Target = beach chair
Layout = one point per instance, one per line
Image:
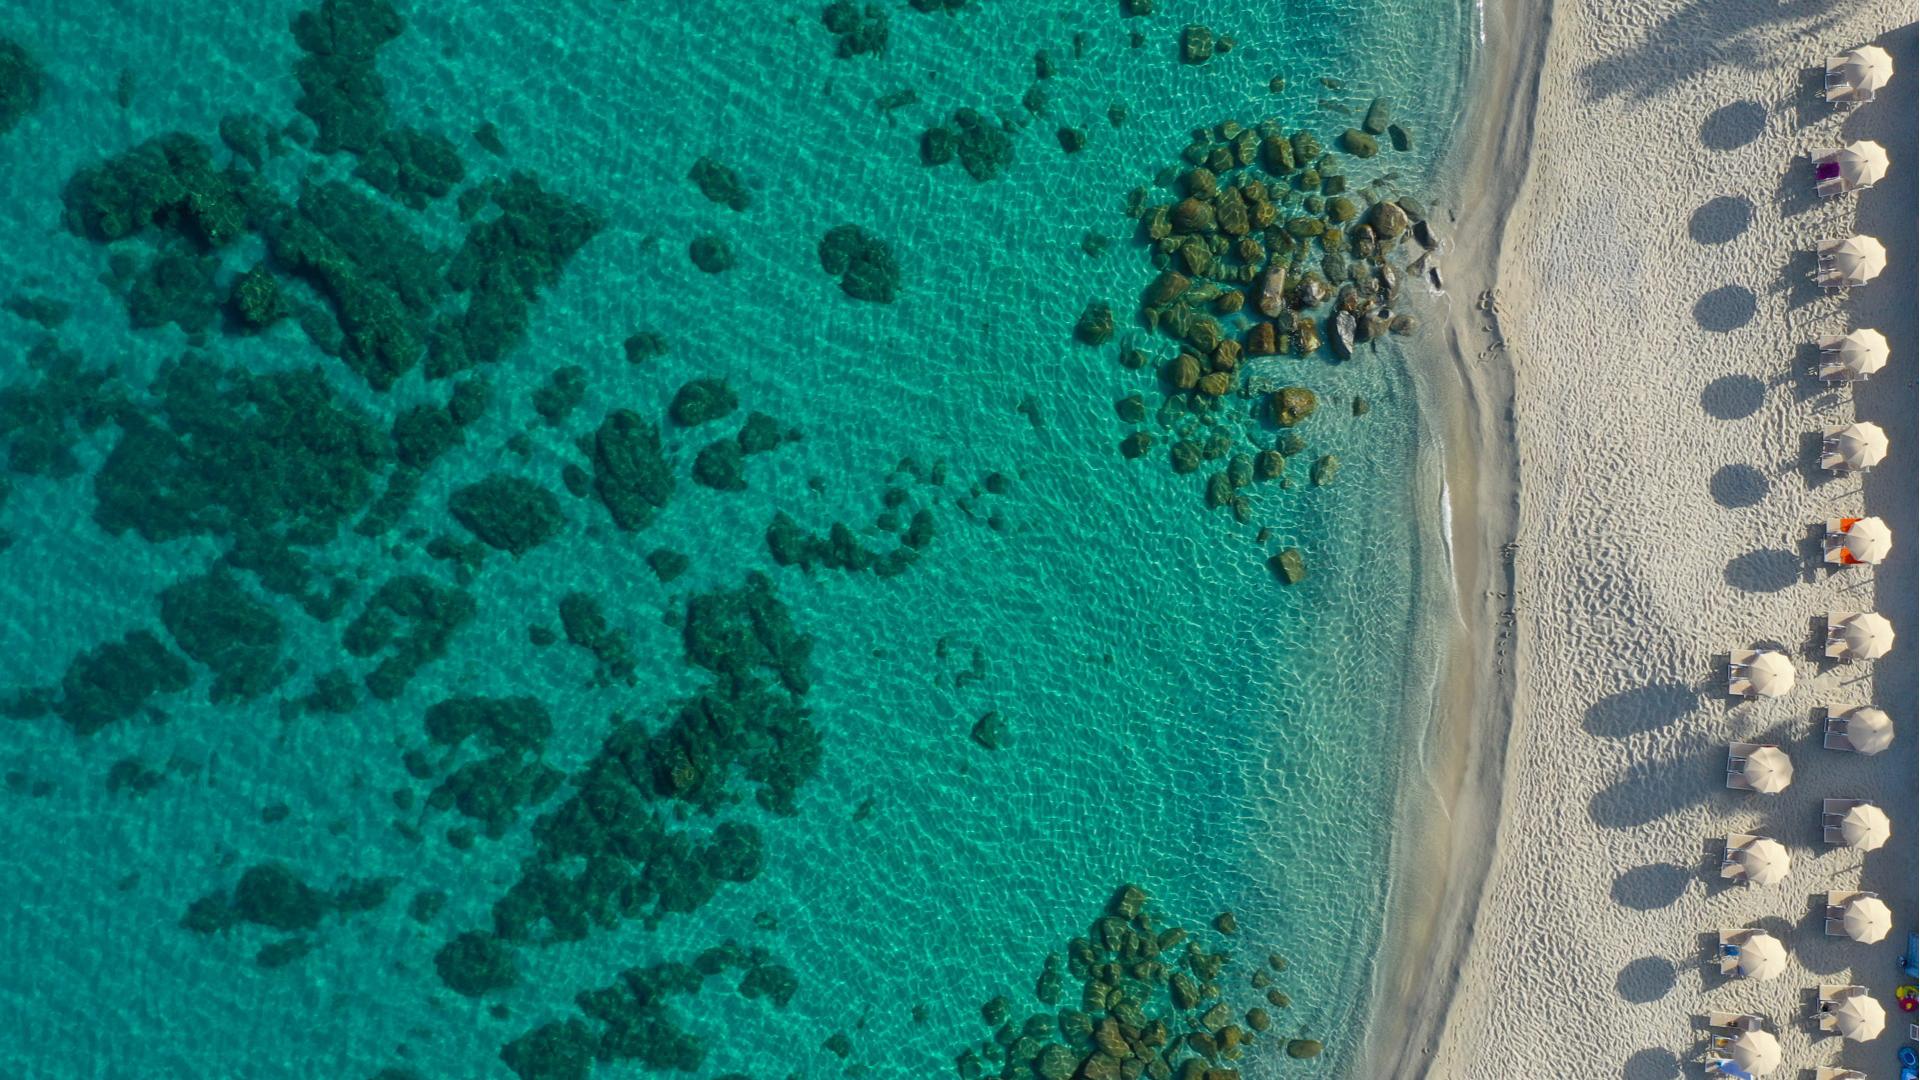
(1827, 181)
(1739, 684)
(1837, 901)
(1737, 755)
(1835, 547)
(1836, 1072)
(1831, 994)
(1832, 812)
(1836, 734)
(1730, 867)
(1733, 1021)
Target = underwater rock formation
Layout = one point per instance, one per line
(216, 623)
(863, 263)
(508, 513)
(112, 681)
(21, 83)
(411, 619)
(1153, 1002)
(631, 477)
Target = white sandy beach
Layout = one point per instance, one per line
(1652, 298)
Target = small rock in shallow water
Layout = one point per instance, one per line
(1293, 404)
(1378, 115)
(1325, 470)
(711, 254)
(1136, 445)
(1289, 566)
(1095, 325)
(991, 732)
(1401, 136)
(1196, 44)
(1303, 1048)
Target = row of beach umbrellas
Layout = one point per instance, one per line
(1741, 1047)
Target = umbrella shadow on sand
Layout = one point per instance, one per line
(1651, 887)
(1646, 980)
(1653, 1063)
(1733, 125)
(1639, 709)
(1768, 570)
(1651, 790)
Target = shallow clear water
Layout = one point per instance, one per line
(1175, 716)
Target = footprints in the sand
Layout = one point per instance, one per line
(1649, 978)
(1733, 125)
(1720, 220)
(1725, 309)
(1733, 397)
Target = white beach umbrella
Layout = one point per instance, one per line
(1764, 861)
(1855, 260)
(1771, 674)
(1869, 730)
(1855, 355)
(1868, 540)
(1859, 1017)
(1756, 1052)
(1864, 635)
(1865, 827)
(1868, 67)
(1859, 445)
(1862, 163)
(1761, 957)
(1768, 769)
(1866, 919)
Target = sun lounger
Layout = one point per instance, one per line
(1831, 994)
(1832, 813)
(1835, 1072)
(1730, 867)
(1738, 684)
(1837, 901)
(1836, 734)
(1737, 763)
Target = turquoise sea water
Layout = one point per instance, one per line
(1174, 716)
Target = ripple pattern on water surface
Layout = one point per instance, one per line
(223, 876)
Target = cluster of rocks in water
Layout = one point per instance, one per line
(274, 896)
(1262, 243)
(629, 1019)
(1152, 1002)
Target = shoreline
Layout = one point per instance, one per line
(1640, 363)
(1452, 777)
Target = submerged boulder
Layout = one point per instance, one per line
(1293, 404)
(508, 513)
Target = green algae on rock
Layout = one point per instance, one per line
(859, 30)
(509, 513)
(631, 476)
(21, 83)
(863, 263)
(476, 963)
(232, 452)
(216, 623)
(112, 681)
(720, 184)
(412, 619)
(340, 84)
(273, 895)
